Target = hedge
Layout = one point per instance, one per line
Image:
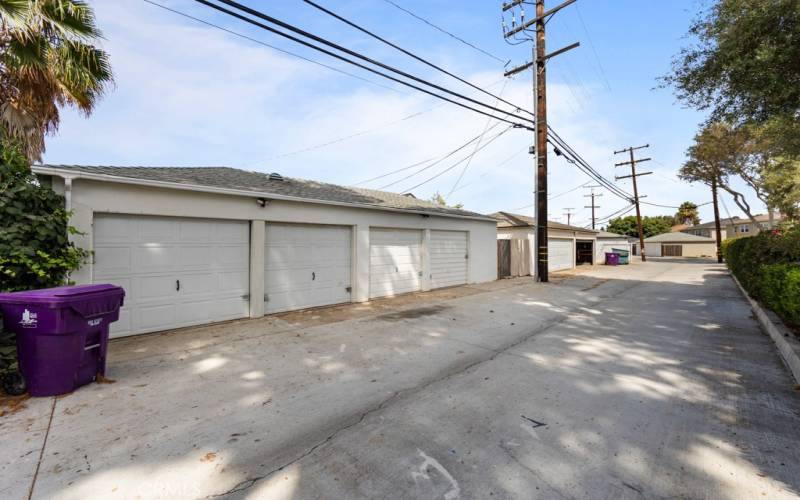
(768, 267)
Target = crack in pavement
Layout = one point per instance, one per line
(409, 391)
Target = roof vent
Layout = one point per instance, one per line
(274, 176)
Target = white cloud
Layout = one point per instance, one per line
(188, 94)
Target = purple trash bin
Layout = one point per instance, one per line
(62, 334)
(612, 259)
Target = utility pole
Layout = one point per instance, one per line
(633, 176)
(592, 206)
(717, 224)
(539, 58)
(568, 213)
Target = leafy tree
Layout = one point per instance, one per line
(439, 200)
(35, 251)
(719, 152)
(651, 225)
(687, 212)
(47, 61)
(743, 63)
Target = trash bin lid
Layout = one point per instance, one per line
(61, 295)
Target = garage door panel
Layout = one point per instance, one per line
(150, 254)
(448, 251)
(235, 282)
(108, 230)
(157, 229)
(154, 257)
(306, 266)
(155, 288)
(156, 317)
(395, 261)
(193, 231)
(559, 254)
(113, 260)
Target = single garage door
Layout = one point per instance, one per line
(306, 266)
(395, 261)
(559, 254)
(175, 271)
(448, 251)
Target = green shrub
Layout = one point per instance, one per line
(35, 251)
(768, 267)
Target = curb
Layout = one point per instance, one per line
(788, 345)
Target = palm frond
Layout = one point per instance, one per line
(14, 11)
(72, 18)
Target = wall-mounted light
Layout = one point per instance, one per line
(262, 202)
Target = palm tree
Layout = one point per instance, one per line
(47, 61)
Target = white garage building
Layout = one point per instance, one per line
(608, 242)
(200, 245)
(567, 246)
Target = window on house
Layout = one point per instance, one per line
(744, 228)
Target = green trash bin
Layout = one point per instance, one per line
(623, 255)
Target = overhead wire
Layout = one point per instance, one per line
(477, 144)
(278, 49)
(491, 140)
(311, 36)
(451, 35)
(446, 156)
(411, 54)
(502, 163)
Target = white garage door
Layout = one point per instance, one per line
(559, 254)
(448, 251)
(306, 266)
(395, 261)
(175, 271)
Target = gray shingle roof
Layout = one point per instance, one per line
(507, 219)
(678, 238)
(260, 183)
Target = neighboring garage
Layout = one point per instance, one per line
(567, 246)
(608, 242)
(679, 245)
(200, 245)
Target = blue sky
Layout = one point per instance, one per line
(187, 94)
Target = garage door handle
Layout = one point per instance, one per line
(177, 285)
(313, 276)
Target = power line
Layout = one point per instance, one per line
(364, 132)
(454, 165)
(525, 148)
(353, 53)
(466, 166)
(573, 157)
(390, 2)
(394, 172)
(594, 51)
(411, 54)
(448, 155)
(265, 44)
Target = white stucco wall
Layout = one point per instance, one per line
(89, 197)
(607, 244)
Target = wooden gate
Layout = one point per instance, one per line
(503, 259)
(671, 250)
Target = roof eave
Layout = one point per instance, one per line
(72, 174)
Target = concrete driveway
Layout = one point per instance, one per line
(650, 380)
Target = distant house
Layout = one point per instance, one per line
(708, 229)
(679, 245)
(738, 228)
(567, 246)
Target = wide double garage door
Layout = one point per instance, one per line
(176, 272)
